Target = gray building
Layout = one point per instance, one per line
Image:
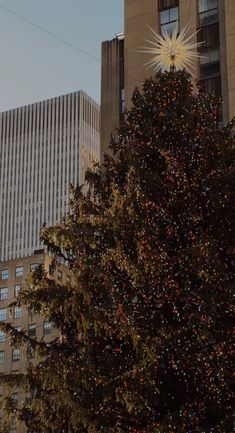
(43, 148)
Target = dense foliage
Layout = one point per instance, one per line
(145, 325)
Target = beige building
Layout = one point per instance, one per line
(215, 20)
(13, 274)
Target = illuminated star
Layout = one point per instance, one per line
(175, 51)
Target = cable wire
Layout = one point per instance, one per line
(49, 33)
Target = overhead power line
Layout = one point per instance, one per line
(49, 33)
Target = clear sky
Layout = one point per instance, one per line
(34, 66)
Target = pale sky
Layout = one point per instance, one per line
(34, 66)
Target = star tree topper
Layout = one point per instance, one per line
(176, 51)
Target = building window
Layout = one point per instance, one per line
(4, 274)
(59, 275)
(3, 314)
(208, 12)
(47, 326)
(2, 337)
(122, 100)
(17, 312)
(15, 354)
(169, 20)
(19, 271)
(3, 293)
(2, 356)
(32, 330)
(16, 290)
(31, 353)
(208, 36)
(210, 65)
(166, 4)
(212, 85)
(33, 266)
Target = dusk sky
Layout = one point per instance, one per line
(35, 66)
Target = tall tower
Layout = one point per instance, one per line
(43, 148)
(112, 87)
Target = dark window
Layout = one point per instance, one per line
(209, 35)
(208, 12)
(209, 70)
(212, 85)
(59, 275)
(166, 4)
(47, 327)
(32, 330)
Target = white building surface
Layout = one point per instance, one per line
(43, 148)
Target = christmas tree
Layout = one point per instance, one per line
(145, 325)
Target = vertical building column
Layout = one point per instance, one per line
(230, 48)
(140, 17)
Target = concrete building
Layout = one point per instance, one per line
(43, 148)
(216, 69)
(112, 87)
(13, 274)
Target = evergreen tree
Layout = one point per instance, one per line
(145, 325)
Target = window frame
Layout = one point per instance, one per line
(45, 329)
(2, 358)
(167, 4)
(3, 298)
(15, 350)
(17, 288)
(1, 310)
(32, 326)
(2, 337)
(19, 274)
(208, 13)
(6, 271)
(17, 312)
(33, 266)
(170, 22)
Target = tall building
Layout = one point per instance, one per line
(13, 274)
(112, 86)
(215, 20)
(43, 148)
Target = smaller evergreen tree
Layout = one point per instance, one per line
(145, 340)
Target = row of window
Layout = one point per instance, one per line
(208, 34)
(47, 329)
(15, 355)
(19, 271)
(17, 312)
(4, 292)
(169, 14)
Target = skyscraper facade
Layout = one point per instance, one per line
(43, 148)
(213, 19)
